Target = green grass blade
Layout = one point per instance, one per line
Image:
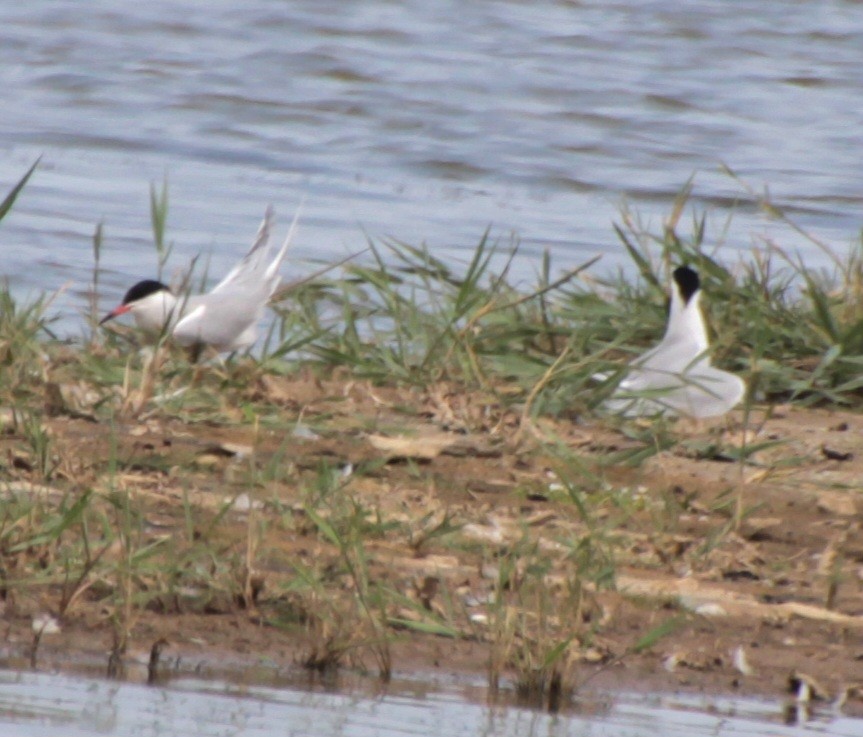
(7, 203)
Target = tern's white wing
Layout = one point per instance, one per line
(709, 392)
(272, 273)
(226, 321)
(700, 392)
(253, 275)
(228, 316)
(252, 267)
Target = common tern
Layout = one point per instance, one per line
(225, 318)
(676, 377)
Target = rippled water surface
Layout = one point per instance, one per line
(46, 705)
(421, 121)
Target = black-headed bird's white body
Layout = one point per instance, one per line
(225, 318)
(676, 376)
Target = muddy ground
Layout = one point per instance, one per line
(747, 604)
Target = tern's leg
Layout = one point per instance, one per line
(195, 351)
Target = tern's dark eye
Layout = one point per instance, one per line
(688, 282)
(144, 289)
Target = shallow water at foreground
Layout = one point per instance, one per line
(45, 705)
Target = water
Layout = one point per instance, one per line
(427, 122)
(44, 705)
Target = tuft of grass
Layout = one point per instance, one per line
(346, 526)
(159, 220)
(536, 626)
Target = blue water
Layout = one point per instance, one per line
(426, 122)
(42, 705)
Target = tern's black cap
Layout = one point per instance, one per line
(144, 289)
(688, 281)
